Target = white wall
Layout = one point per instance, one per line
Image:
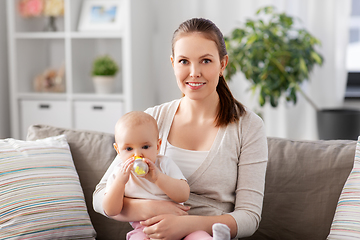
(4, 96)
(165, 18)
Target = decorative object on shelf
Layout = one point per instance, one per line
(53, 9)
(51, 80)
(31, 8)
(103, 71)
(100, 15)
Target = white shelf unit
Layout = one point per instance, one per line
(32, 51)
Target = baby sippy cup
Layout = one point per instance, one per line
(140, 167)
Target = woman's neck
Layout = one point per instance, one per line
(200, 110)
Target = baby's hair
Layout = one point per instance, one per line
(135, 118)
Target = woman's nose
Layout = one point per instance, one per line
(195, 72)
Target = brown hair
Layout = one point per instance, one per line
(230, 110)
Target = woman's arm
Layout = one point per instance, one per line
(169, 227)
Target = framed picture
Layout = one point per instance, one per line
(101, 15)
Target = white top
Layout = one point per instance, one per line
(187, 160)
(138, 187)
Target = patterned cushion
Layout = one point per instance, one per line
(40, 193)
(346, 223)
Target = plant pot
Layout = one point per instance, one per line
(104, 84)
(338, 124)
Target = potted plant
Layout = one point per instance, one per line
(277, 58)
(104, 71)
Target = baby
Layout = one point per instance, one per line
(137, 136)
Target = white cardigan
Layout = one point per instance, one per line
(232, 177)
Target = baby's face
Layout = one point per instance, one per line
(141, 140)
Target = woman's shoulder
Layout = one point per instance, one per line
(160, 111)
(251, 122)
(249, 117)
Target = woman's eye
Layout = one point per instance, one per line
(183, 61)
(206, 61)
(128, 149)
(146, 147)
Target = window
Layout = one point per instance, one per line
(353, 53)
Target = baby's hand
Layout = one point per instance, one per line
(154, 171)
(123, 173)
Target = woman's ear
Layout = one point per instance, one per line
(116, 148)
(172, 60)
(224, 63)
(158, 145)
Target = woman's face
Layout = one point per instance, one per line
(197, 66)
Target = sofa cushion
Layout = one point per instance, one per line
(346, 224)
(40, 193)
(303, 182)
(92, 153)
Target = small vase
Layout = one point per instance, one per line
(51, 25)
(104, 84)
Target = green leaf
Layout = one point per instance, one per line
(316, 57)
(262, 98)
(278, 64)
(303, 67)
(238, 34)
(251, 39)
(273, 101)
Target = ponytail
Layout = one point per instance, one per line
(230, 110)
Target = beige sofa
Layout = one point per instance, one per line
(303, 182)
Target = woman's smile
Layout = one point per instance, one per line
(195, 85)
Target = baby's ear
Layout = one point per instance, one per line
(116, 148)
(159, 145)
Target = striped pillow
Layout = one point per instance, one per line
(40, 192)
(346, 223)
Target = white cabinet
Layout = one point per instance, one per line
(97, 116)
(56, 113)
(32, 51)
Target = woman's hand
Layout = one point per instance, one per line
(166, 227)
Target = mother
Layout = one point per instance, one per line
(218, 143)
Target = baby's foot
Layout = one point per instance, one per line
(220, 231)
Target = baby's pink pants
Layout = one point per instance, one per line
(138, 234)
